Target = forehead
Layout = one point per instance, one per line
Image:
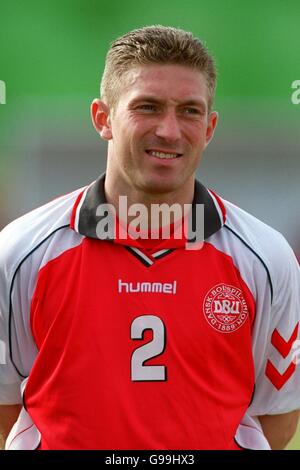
(170, 82)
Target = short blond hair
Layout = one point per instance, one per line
(155, 45)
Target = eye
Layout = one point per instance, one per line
(190, 110)
(147, 107)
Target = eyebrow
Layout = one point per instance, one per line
(152, 99)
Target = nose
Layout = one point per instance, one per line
(168, 127)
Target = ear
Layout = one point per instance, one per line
(211, 125)
(101, 119)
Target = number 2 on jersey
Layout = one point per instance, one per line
(139, 371)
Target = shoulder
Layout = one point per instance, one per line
(266, 243)
(265, 240)
(25, 234)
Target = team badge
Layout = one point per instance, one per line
(224, 308)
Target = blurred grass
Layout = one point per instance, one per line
(295, 442)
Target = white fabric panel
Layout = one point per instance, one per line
(24, 349)
(24, 435)
(250, 436)
(18, 240)
(285, 314)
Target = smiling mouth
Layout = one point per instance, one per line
(163, 155)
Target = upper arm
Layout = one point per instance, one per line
(17, 348)
(276, 331)
(9, 378)
(8, 416)
(279, 429)
(272, 414)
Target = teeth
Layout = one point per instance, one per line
(163, 155)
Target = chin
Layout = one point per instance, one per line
(160, 187)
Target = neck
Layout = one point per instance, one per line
(179, 198)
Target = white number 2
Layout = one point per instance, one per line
(139, 371)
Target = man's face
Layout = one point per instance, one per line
(159, 128)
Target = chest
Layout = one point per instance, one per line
(187, 310)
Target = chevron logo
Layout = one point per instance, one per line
(277, 379)
(283, 347)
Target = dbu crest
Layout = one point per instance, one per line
(224, 308)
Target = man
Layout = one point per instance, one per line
(142, 342)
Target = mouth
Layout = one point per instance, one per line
(164, 154)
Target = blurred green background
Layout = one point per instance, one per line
(51, 59)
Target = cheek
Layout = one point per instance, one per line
(127, 142)
(139, 128)
(121, 136)
(196, 136)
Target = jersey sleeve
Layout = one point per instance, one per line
(17, 347)
(276, 338)
(26, 245)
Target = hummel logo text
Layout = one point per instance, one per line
(143, 287)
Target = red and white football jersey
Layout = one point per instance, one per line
(138, 344)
